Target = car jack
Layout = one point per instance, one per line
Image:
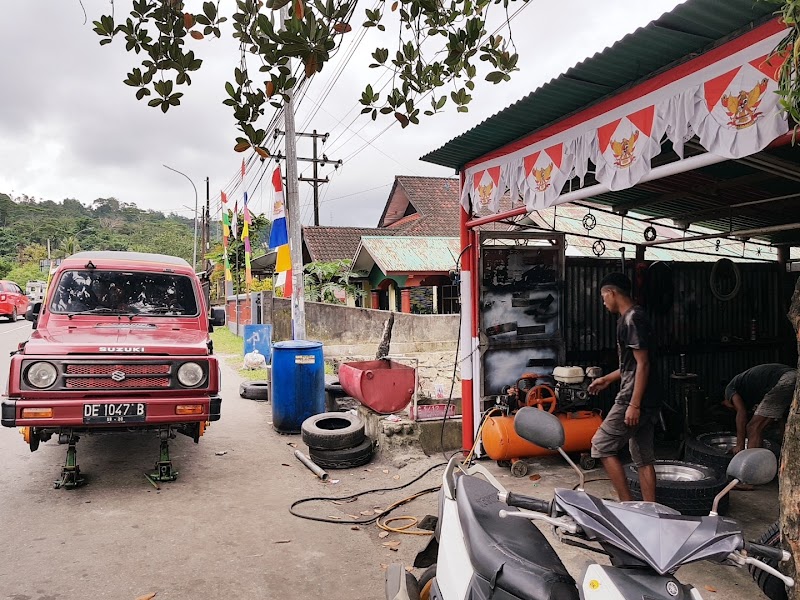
(164, 470)
(71, 472)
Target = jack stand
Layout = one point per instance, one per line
(70, 473)
(164, 470)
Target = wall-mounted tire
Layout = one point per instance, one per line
(332, 431)
(346, 458)
(773, 588)
(686, 487)
(254, 390)
(711, 449)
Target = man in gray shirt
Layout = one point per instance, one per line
(633, 417)
(767, 388)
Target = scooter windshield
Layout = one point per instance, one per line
(653, 533)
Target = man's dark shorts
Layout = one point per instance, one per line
(613, 434)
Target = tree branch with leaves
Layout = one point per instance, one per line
(440, 45)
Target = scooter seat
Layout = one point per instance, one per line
(510, 554)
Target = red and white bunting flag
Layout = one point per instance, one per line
(625, 148)
(224, 197)
(545, 172)
(243, 169)
(486, 191)
(739, 113)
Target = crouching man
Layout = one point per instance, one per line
(766, 388)
(635, 412)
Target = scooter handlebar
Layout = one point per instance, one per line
(525, 502)
(767, 552)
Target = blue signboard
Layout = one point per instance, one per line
(258, 337)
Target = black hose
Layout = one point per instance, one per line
(366, 520)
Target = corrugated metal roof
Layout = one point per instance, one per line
(689, 29)
(407, 254)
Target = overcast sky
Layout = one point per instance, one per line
(69, 127)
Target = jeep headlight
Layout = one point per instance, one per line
(190, 374)
(41, 375)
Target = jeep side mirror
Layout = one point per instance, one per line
(32, 313)
(218, 317)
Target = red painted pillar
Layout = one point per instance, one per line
(376, 298)
(405, 300)
(465, 342)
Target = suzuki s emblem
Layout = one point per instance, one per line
(118, 376)
(672, 588)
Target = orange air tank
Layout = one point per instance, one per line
(501, 442)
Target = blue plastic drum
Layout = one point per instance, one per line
(298, 384)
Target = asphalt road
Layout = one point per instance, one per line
(221, 531)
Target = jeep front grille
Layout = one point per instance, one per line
(115, 376)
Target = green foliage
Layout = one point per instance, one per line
(5, 268)
(789, 77)
(327, 281)
(439, 44)
(26, 226)
(22, 274)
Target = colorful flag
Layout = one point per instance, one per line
(224, 197)
(226, 232)
(248, 277)
(243, 168)
(279, 237)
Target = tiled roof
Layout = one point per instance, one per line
(334, 243)
(436, 201)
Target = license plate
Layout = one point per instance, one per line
(122, 412)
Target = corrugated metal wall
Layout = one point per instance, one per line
(714, 335)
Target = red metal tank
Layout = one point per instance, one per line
(385, 386)
(501, 442)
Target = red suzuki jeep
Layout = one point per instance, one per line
(120, 344)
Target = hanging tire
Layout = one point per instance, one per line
(713, 449)
(426, 582)
(346, 458)
(254, 390)
(332, 431)
(773, 588)
(686, 487)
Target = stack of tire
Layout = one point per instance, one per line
(336, 440)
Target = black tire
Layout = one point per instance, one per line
(14, 316)
(347, 458)
(332, 431)
(675, 489)
(711, 449)
(254, 390)
(425, 580)
(773, 588)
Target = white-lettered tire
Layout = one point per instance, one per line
(346, 458)
(332, 431)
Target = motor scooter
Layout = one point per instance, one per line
(486, 545)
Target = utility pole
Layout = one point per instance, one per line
(207, 229)
(316, 163)
(293, 210)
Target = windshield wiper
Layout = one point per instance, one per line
(96, 311)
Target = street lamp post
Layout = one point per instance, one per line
(194, 254)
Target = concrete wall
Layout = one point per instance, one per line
(350, 331)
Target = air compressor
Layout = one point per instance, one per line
(565, 394)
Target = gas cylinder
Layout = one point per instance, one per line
(501, 442)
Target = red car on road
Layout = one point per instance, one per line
(120, 344)
(13, 301)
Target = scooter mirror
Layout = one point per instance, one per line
(754, 466)
(539, 427)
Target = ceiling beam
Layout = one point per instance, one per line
(724, 210)
(729, 234)
(700, 192)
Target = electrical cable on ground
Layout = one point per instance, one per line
(367, 520)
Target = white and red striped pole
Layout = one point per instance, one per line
(466, 334)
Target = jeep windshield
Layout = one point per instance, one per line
(98, 292)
